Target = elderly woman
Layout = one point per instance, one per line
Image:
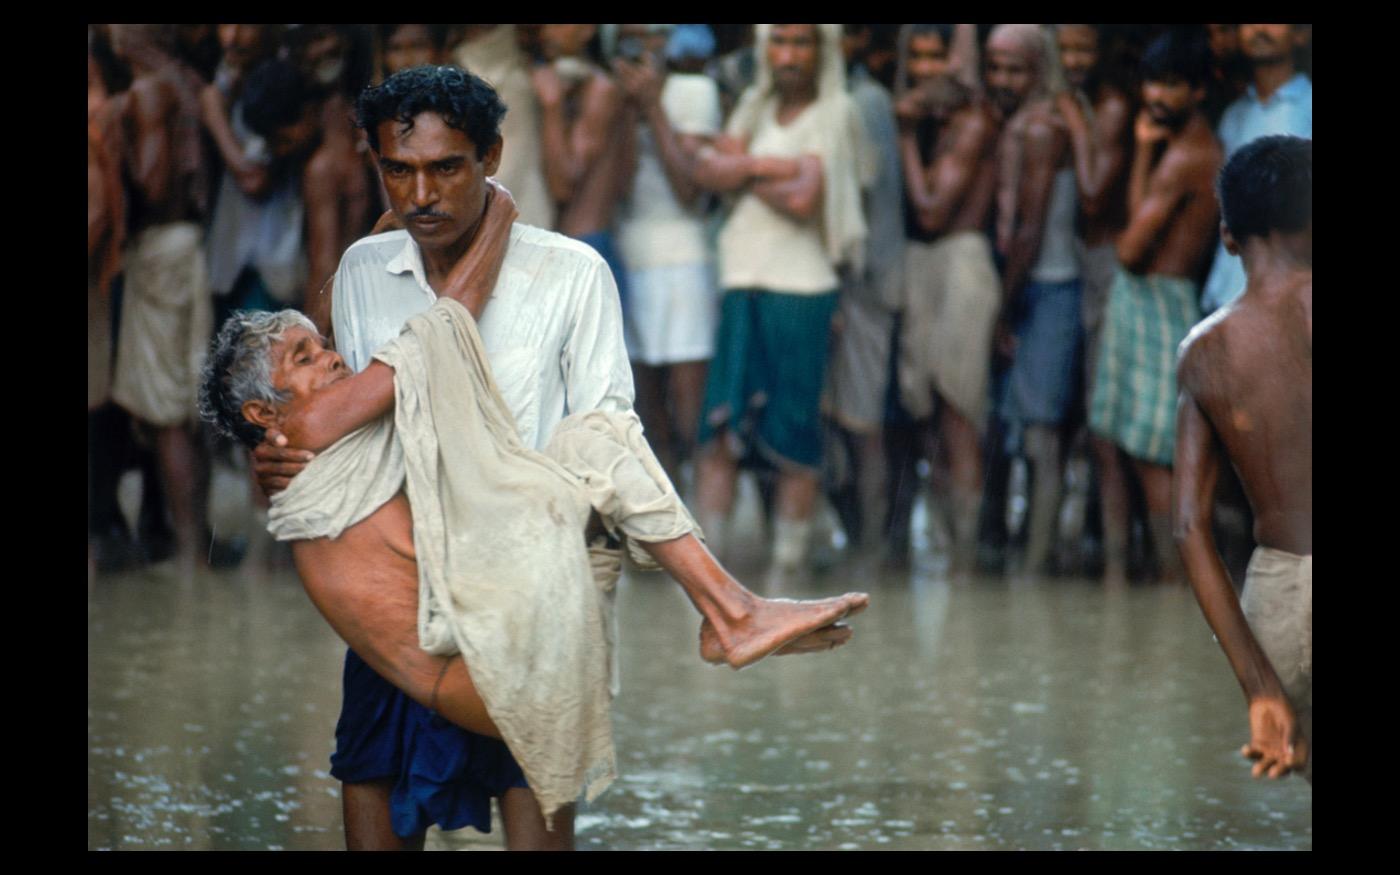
(438, 512)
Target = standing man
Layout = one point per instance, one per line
(952, 293)
(1277, 101)
(492, 52)
(166, 315)
(1098, 114)
(793, 153)
(1172, 215)
(1041, 276)
(673, 308)
(1246, 389)
(870, 298)
(553, 334)
(589, 152)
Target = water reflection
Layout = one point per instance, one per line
(964, 714)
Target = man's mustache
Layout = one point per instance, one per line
(426, 214)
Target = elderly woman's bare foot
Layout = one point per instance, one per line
(780, 626)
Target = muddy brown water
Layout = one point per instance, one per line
(964, 714)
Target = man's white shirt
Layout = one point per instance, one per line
(552, 327)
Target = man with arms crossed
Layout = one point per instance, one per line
(1246, 388)
(1153, 302)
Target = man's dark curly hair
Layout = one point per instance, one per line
(1267, 186)
(464, 101)
(274, 96)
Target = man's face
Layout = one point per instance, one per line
(410, 45)
(1079, 52)
(1010, 77)
(302, 365)
(1170, 103)
(1266, 43)
(855, 42)
(300, 139)
(565, 40)
(794, 51)
(928, 57)
(435, 181)
(323, 58)
(1224, 41)
(243, 44)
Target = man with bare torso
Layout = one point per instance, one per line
(1246, 389)
(1102, 141)
(1154, 300)
(1037, 203)
(952, 293)
(589, 150)
(166, 310)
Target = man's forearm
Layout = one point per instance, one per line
(1211, 582)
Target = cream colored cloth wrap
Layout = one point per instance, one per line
(849, 161)
(504, 575)
(1277, 602)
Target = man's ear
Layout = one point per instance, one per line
(260, 413)
(492, 162)
(1228, 239)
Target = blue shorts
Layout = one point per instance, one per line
(445, 774)
(766, 378)
(1041, 382)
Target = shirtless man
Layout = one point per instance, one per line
(166, 311)
(336, 182)
(1246, 388)
(589, 149)
(1041, 277)
(948, 142)
(1102, 143)
(1154, 300)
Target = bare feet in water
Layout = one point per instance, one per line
(782, 627)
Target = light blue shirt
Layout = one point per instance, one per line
(1289, 111)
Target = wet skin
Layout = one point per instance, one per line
(1246, 390)
(1101, 149)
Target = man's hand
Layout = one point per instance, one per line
(275, 464)
(640, 81)
(387, 222)
(910, 108)
(1274, 743)
(1148, 131)
(549, 88)
(1072, 114)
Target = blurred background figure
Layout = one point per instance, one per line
(1278, 100)
(409, 45)
(165, 319)
(856, 391)
(1098, 114)
(952, 294)
(673, 304)
(796, 154)
(492, 52)
(1229, 70)
(589, 150)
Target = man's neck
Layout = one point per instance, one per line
(796, 100)
(1190, 129)
(1269, 77)
(438, 263)
(1276, 263)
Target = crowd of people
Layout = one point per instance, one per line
(1053, 272)
(856, 260)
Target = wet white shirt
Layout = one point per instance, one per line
(552, 328)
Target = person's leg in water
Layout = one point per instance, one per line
(524, 824)
(1157, 491)
(1115, 509)
(965, 461)
(1043, 448)
(368, 823)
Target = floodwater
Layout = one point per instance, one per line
(964, 714)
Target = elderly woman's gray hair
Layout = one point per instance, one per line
(239, 369)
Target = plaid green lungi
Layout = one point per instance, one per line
(1134, 401)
